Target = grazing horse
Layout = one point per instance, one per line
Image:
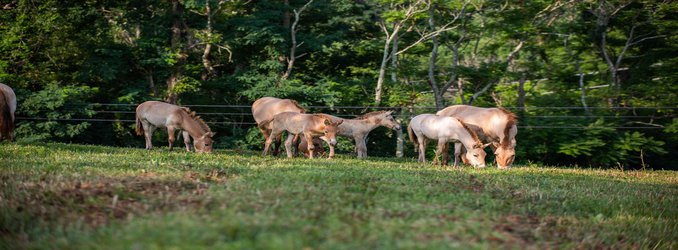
(310, 125)
(263, 109)
(153, 114)
(444, 129)
(358, 128)
(7, 108)
(493, 125)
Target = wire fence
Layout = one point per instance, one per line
(240, 115)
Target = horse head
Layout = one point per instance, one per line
(505, 156)
(330, 131)
(203, 144)
(476, 155)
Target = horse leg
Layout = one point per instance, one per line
(148, 134)
(457, 152)
(361, 146)
(278, 142)
(267, 144)
(462, 155)
(171, 137)
(310, 146)
(187, 140)
(331, 150)
(422, 149)
(289, 144)
(439, 152)
(446, 154)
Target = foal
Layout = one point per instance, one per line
(444, 129)
(309, 125)
(152, 114)
(358, 128)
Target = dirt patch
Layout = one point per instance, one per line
(96, 203)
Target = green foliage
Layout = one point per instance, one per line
(123, 51)
(49, 106)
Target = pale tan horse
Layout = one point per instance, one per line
(493, 125)
(152, 114)
(310, 125)
(426, 127)
(358, 128)
(263, 109)
(7, 109)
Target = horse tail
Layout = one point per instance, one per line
(413, 137)
(6, 117)
(139, 129)
(264, 124)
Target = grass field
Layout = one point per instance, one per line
(75, 196)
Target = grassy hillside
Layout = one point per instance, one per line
(57, 196)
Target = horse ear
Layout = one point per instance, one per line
(212, 134)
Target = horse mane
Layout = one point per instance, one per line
(303, 110)
(197, 118)
(326, 117)
(473, 134)
(370, 114)
(512, 119)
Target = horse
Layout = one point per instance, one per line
(359, 127)
(263, 109)
(153, 114)
(310, 125)
(493, 125)
(317, 146)
(7, 109)
(444, 129)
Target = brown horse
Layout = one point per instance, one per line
(444, 129)
(358, 128)
(152, 114)
(7, 108)
(310, 125)
(493, 125)
(263, 109)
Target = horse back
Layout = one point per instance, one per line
(266, 107)
(488, 123)
(159, 114)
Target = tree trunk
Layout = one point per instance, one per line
(293, 49)
(400, 143)
(151, 83)
(286, 14)
(521, 93)
(382, 72)
(208, 45)
(437, 92)
(394, 60)
(177, 12)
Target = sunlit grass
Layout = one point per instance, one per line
(76, 196)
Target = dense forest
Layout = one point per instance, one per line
(593, 82)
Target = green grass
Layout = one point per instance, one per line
(75, 196)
